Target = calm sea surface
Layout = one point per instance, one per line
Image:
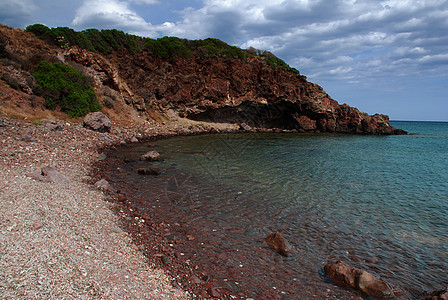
(379, 203)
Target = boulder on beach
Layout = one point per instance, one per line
(350, 277)
(50, 174)
(151, 156)
(277, 242)
(97, 121)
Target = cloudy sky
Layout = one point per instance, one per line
(386, 57)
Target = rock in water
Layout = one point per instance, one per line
(97, 121)
(277, 242)
(347, 276)
(149, 171)
(150, 156)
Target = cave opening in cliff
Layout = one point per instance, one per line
(253, 114)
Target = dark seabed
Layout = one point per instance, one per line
(379, 203)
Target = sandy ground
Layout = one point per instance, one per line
(62, 241)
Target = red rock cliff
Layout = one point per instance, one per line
(206, 89)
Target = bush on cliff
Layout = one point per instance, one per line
(91, 39)
(168, 47)
(64, 87)
(212, 47)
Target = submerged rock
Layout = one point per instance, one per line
(277, 242)
(350, 277)
(149, 171)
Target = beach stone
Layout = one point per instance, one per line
(27, 136)
(97, 121)
(245, 127)
(195, 280)
(150, 156)
(213, 291)
(103, 184)
(149, 171)
(134, 140)
(53, 124)
(166, 260)
(50, 174)
(350, 277)
(277, 242)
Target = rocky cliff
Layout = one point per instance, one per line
(219, 90)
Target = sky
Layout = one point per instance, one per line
(388, 57)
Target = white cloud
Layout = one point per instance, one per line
(141, 2)
(111, 14)
(317, 37)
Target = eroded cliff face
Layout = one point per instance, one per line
(205, 89)
(234, 91)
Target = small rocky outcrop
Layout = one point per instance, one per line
(151, 156)
(50, 174)
(97, 121)
(347, 276)
(277, 242)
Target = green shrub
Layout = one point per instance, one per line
(64, 87)
(42, 32)
(96, 39)
(212, 47)
(168, 47)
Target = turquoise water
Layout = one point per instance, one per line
(379, 203)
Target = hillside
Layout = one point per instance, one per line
(170, 79)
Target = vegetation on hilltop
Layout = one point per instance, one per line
(105, 41)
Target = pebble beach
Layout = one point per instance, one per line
(63, 240)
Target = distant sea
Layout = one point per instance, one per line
(379, 203)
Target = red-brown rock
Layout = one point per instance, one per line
(347, 276)
(97, 121)
(277, 242)
(151, 156)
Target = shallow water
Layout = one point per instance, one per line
(377, 202)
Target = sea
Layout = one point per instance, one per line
(378, 203)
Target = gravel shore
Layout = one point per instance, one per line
(60, 240)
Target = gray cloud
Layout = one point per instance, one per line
(16, 13)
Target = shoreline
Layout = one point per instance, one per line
(75, 241)
(41, 213)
